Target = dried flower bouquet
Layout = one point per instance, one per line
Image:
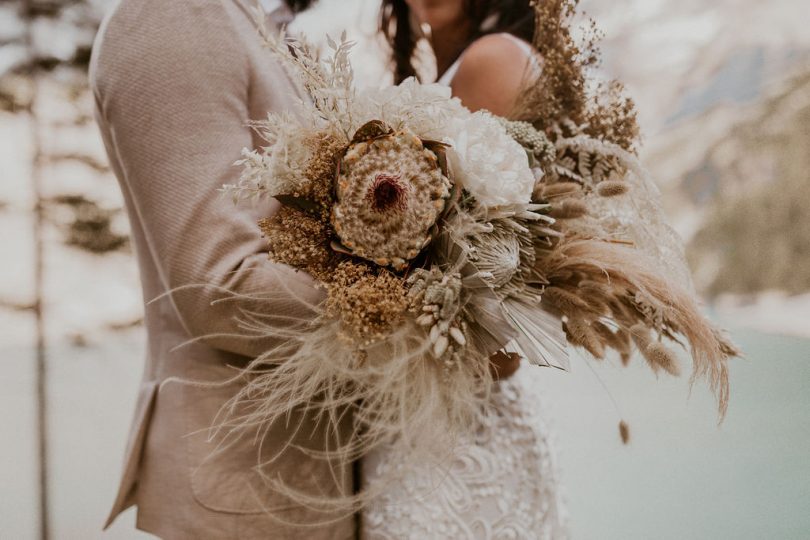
(443, 236)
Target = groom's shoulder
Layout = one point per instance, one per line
(183, 33)
(160, 23)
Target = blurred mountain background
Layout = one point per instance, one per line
(723, 90)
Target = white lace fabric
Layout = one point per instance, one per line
(500, 483)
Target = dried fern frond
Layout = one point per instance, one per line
(329, 82)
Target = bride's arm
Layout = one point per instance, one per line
(491, 74)
(490, 77)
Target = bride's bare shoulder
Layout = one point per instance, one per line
(491, 74)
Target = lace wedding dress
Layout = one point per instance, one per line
(501, 483)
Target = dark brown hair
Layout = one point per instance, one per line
(299, 5)
(515, 17)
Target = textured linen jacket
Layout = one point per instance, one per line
(175, 83)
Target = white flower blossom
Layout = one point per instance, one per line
(483, 158)
(487, 162)
(424, 109)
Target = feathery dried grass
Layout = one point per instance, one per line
(626, 272)
(393, 390)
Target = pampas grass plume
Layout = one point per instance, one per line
(630, 273)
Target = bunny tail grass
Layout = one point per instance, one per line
(632, 296)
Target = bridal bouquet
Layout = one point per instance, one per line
(443, 236)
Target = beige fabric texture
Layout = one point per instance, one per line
(175, 83)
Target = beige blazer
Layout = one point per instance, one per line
(175, 82)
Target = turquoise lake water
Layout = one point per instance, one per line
(682, 476)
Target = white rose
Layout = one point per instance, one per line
(487, 162)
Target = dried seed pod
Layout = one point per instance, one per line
(657, 355)
(569, 209)
(564, 300)
(435, 333)
(561, 189)
(618, 340)
(662, 357)
(641, 336)
(580, 333)
(624, 432)
(458, 336)
(425, 320)
(612, 188)
(440, 347)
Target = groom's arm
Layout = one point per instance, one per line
(172, 90)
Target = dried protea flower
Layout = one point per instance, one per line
(497, 256)
(505, 256)
(391, 191)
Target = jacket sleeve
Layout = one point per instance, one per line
(172, 87)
